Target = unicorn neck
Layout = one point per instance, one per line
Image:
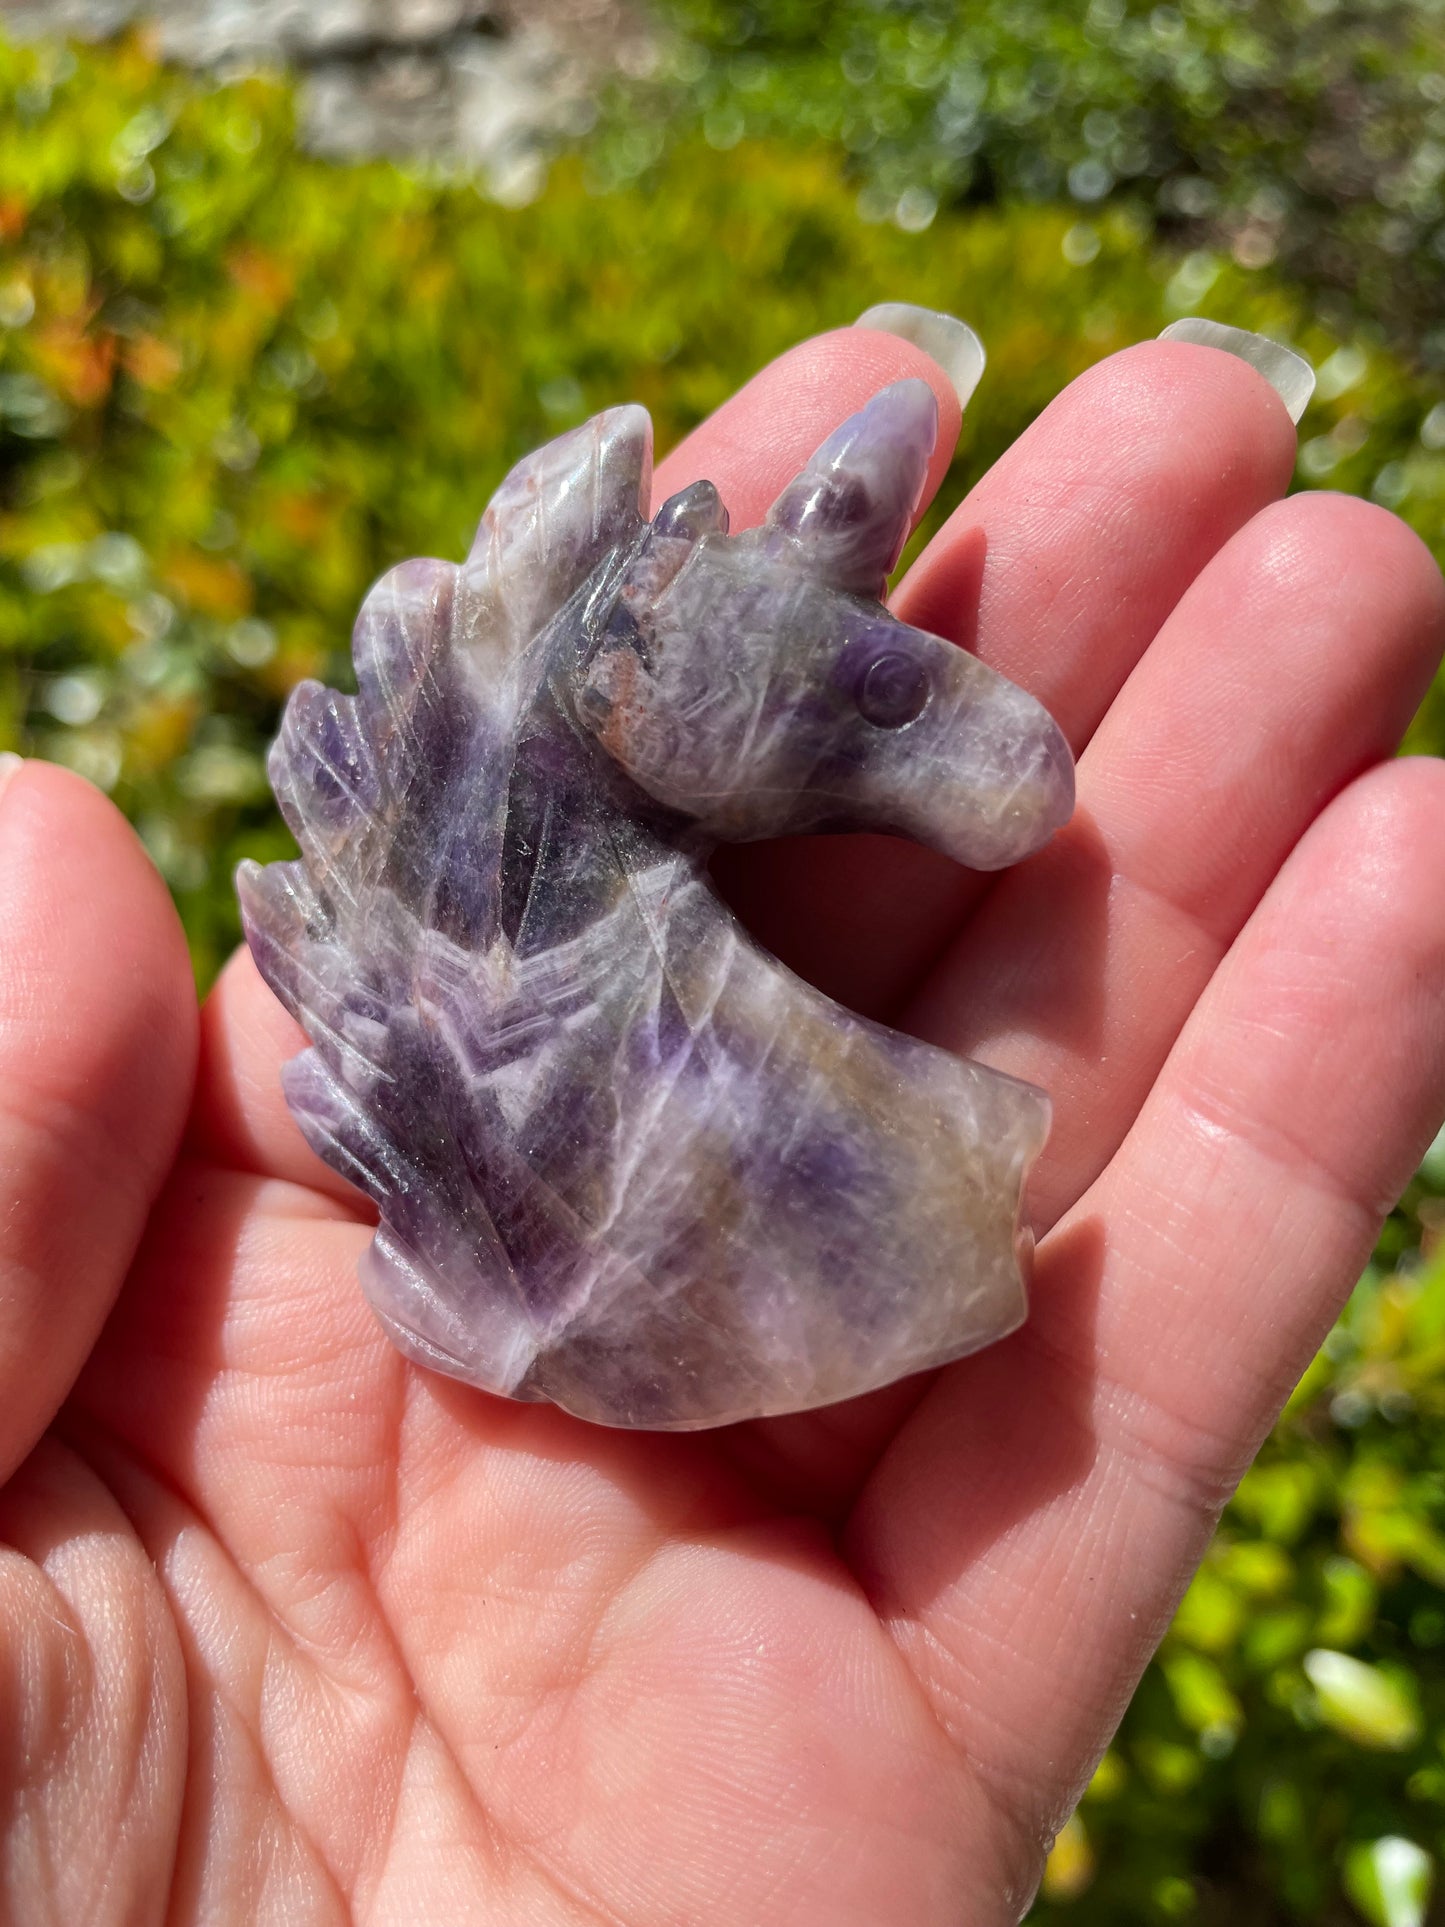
(570, 839)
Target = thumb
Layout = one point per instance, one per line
(97, 1057)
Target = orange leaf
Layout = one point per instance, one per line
(261, 275)
(212, 587)
(305, 518)
(80, 365)
(152, 362)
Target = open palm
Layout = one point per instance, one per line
(291, 1630)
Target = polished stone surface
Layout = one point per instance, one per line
(625, 1160)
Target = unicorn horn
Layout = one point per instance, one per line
(849, 512)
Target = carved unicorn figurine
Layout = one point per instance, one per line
(624, 1160)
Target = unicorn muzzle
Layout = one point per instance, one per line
(983, 774)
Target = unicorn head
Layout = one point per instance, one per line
(755, 684)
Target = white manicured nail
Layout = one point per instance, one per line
(951, 342)
(1288, 374)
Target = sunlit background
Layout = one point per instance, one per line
(285, 289)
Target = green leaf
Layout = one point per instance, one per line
(1349, 1603)
(1389, 1880)
(1201, 1695)
(1360, 1701)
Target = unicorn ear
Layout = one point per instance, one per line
(548, 526)
(849, 512)
(692, 513)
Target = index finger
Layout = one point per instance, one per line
(754, 445)
(1058, 570)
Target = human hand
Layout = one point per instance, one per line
(291, 1630)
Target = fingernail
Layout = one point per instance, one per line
(951, 342)
(1288, 374)
(9, 765)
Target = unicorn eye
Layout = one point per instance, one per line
(893, 691)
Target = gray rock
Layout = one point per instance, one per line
(481, 84)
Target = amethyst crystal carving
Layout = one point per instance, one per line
(624, 1160)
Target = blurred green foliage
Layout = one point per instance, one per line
(1310, 133)
(236, 383)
